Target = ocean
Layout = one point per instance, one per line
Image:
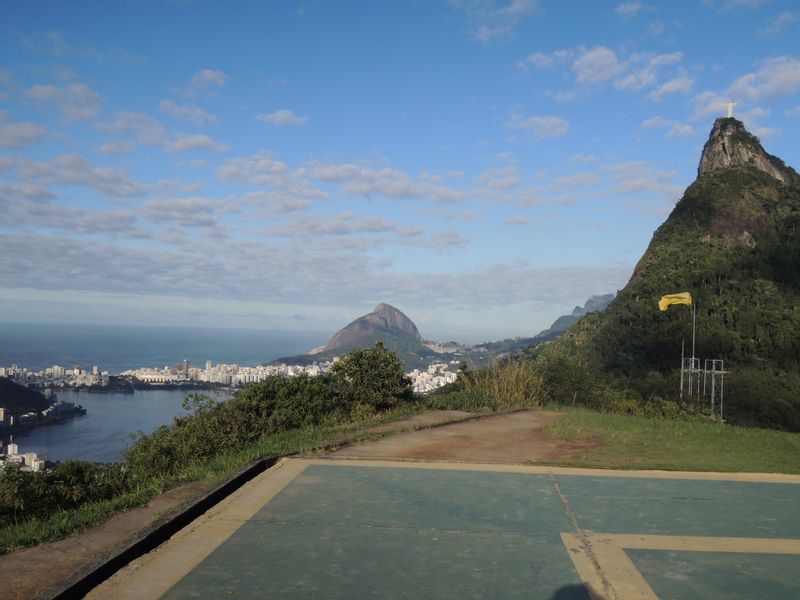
(116, 348)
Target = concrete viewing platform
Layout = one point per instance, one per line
(358, 527)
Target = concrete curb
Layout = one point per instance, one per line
(153, 536)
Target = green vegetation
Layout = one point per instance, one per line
(276, 416)
(628, 442)
(733, 241)
(504, 385)
(18, 399)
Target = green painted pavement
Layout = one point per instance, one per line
(352, 531)
(684, 507)
(733, 576)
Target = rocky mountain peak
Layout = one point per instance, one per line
(731, 145)
(384, 318)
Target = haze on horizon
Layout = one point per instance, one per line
(482, 166)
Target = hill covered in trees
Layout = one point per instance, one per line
(17, 399)
(733, 242)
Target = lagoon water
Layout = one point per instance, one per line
(102, 434)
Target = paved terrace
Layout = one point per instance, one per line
(361, 527)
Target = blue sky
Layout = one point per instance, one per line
(483, 166)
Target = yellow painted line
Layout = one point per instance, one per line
(155, 573)
(539, 469)
(585, 567)
(623, 578)
(682, 543)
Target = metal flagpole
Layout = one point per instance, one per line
(682, 343)
(692, 372)
(694, 321)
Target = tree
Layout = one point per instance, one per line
(372, 377)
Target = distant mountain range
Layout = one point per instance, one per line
(559, 326)
(389, 325)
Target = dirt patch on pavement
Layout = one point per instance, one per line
(421, 421)
(516, 438)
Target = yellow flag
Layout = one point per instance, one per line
(681, 298)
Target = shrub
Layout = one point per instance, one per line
(371, 378)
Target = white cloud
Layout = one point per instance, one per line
(593, 66)
(779, 23)
(628, 10)
(640, 77)
(675, 129)
(449, 239)
(653, 191)
(582, 159)
(208, 78)
(75, 101)
(364, 180)
(55, 43)
(501, 178)
(20, 135)
(147, 129)
(187, 112)
(189, 212)
(183, 142)
(682, 84)
(76, 219)
(281, 117)
(205, 81)
(260, 169)
(794, 112)
(775, 77)
(538, 126)
(729, 5)
(116, 147)
(345, 224)
(596, 65)
(708, 103)
(151, 132)
(516, 220)
(283, 274)
(546, 60)
(73, 169)
(752, 120)
(572, 182)
(489, 22)
(20, 193)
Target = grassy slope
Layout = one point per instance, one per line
(641, 443)
(747, 300)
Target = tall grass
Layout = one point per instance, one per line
(503, 385)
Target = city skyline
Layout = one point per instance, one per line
(483, 166)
